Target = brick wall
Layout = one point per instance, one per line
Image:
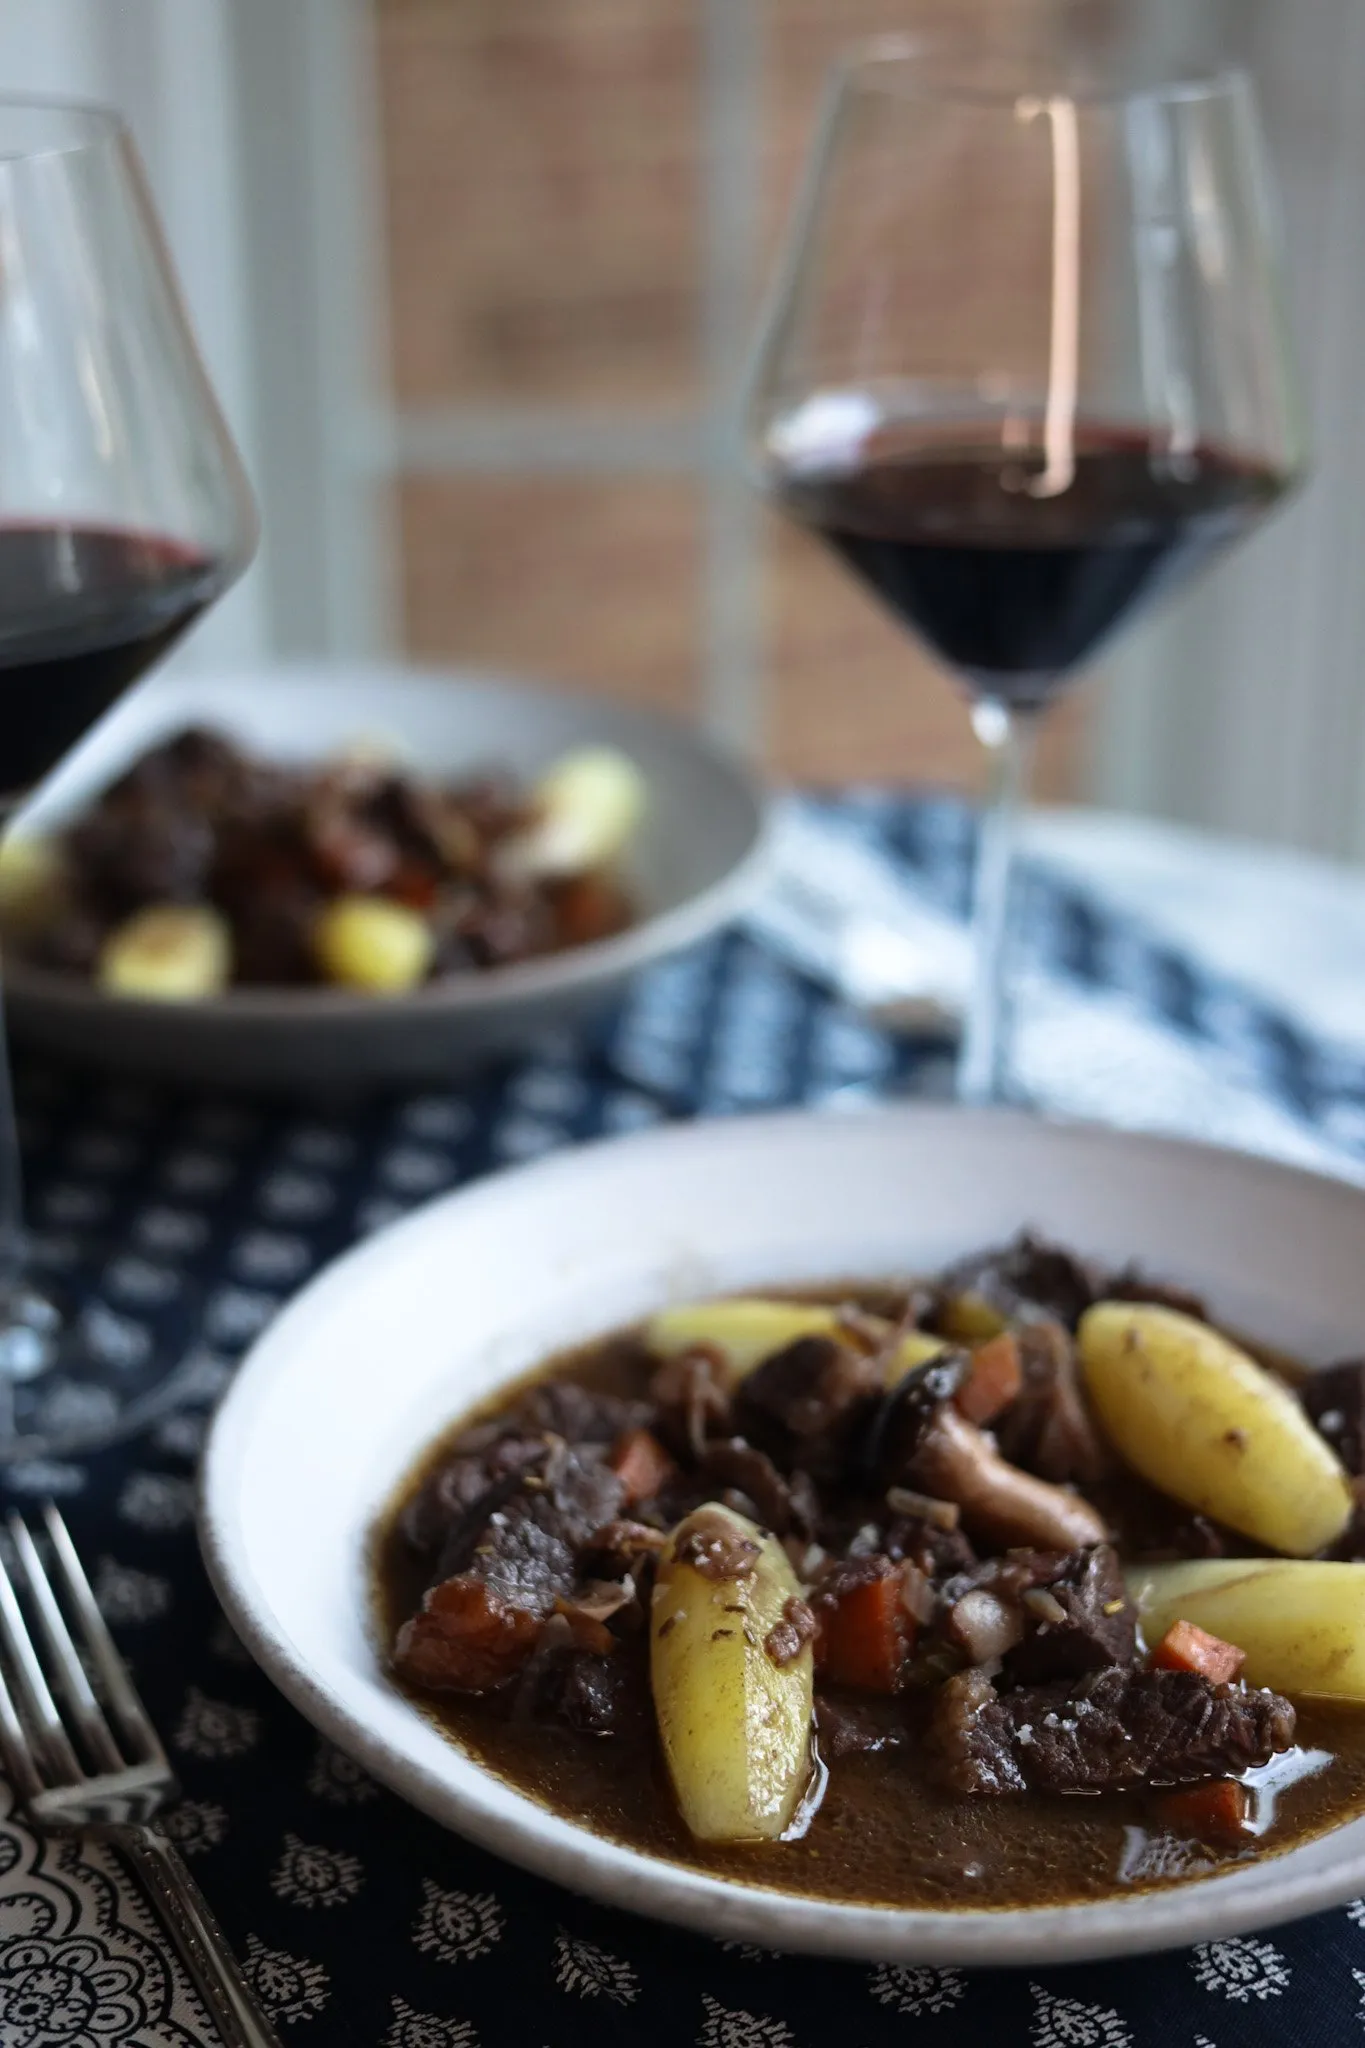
(547, 220)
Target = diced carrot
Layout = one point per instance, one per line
(1218, 1813)
(994, 1380)
(1187, 1648)
(589, 907)
(465, 1638)
(414, 885)
(864, 1636)
(641, 1464)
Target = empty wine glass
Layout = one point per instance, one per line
(124, 512)
(1025, 370)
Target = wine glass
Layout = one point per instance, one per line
(124, 512)
(1024, 370)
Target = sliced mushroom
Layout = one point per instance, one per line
(953, 1460)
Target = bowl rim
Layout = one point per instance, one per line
(652, 938)
(535, 1838)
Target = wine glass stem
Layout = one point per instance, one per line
(11, 1227)
(984, 1072)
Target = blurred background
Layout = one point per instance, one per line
(476, 280)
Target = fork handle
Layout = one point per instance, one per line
(200, 1940)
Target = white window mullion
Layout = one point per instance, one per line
(191, 144)
(730, 149)
(1241, 709)
(306, 135)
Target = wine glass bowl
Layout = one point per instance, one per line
(123, 507)
(1025, 371)
(124, 512)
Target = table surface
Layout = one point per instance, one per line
(359, 1920)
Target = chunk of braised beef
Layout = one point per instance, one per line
(1028, 1273)
(478, 1624)
(127, 857)
(845, 1729)
(1076, 1621)
(1132, 1284)
(736, 1466)
(937, 1552)
(494, 804)
(592, 1695)
(809, 1404)
(970, 1752)
(272, 938)
(788, 1636)
(258, 863)
(468, 1487)
(1335, 1399)
(716, 1549)
(509, 924)
(538, 1536)
(72, 943)
(1048, 1429)
(581, 1415)
(1114, 1729)
(208, 772)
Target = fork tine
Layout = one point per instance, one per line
(128, 1711)
(63, 1656)
(15, 1748)
(34, 1697)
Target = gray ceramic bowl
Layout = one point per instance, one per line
(697, 860)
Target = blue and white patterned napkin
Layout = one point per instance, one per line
(878, 918)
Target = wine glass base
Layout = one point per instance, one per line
(29, 1331)
(74, 1379)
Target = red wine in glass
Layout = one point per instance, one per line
(1012, 588)
(1024, 369)
(84, 610)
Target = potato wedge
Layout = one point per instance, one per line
(916, 1348)
(31, 882)
(591, 802)
(1302, 1625)
(368, 943)
(748, 1329)
(167, 953)
(970, 1319)
(1206, 1424)
(735, 1726)
(744, 1331)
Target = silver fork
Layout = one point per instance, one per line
(73, 1769)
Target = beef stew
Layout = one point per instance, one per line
(205, 867)
(872, 1593)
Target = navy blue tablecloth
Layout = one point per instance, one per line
(360, 1921)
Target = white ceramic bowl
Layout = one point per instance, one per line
(696, 861)
(365, 1367)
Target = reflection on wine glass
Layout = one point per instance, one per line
(1024, 371)
(123, 513)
